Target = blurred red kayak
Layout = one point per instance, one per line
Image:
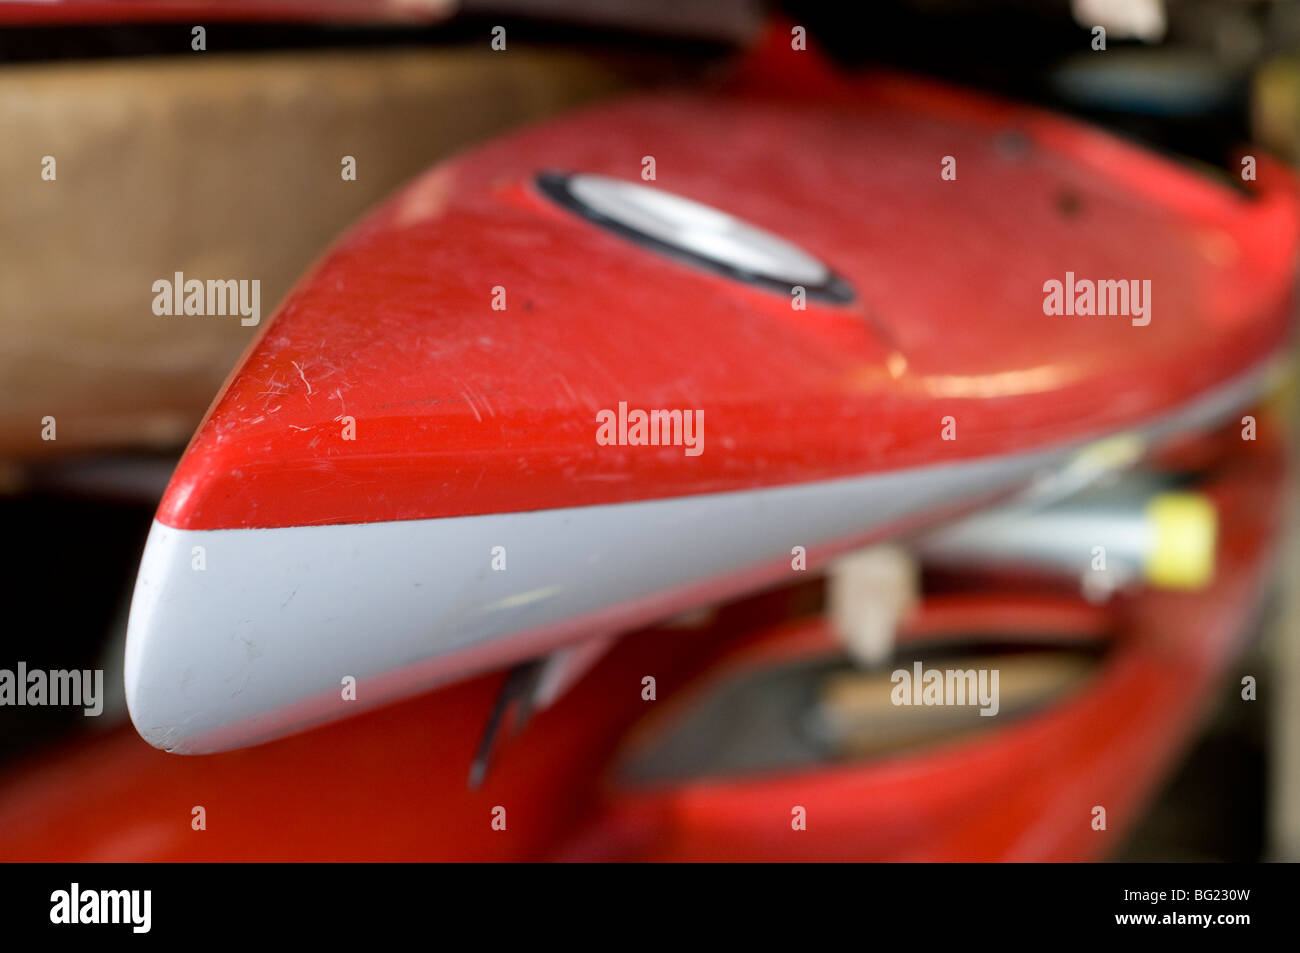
(715, 766)
(626, 363)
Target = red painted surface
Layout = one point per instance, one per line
(461, 409)
(387, 785)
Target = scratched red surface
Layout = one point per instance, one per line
(461, 409)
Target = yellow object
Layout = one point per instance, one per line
(1184, 530)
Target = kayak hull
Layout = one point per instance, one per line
(399, 607)
(391, 785)
(427, 466)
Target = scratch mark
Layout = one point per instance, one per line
(523, 598)
(486, 403)
(567, 389)
(304, 379)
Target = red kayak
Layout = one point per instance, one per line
(607, 774)
(541, 396)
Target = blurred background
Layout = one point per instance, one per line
(165, 155)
